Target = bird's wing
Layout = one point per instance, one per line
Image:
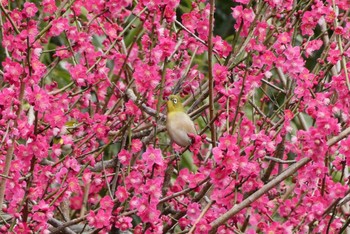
(189, 125)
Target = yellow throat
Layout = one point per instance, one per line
(174, 104)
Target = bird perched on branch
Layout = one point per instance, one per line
(178, 123)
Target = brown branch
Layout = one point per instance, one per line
(9, 18)
(278, 155)
(11, 149)
(180, 214)
(56, 223)
(67, 224)
(205, 210)
(237, 208)
(131, 95)
(182, 192)
(285, 174)
(280, 160)
(210, 67)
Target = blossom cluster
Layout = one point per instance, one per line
(82, 91)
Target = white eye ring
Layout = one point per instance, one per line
(175, 101)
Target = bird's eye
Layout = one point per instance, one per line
(175, 101)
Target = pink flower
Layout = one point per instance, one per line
(146, 77)
(313, 46)
(196, 179)
(132, 109)
(73, 164)
(12, 71)
(136, 145)
(29, 9)
(58, 26)
(309, 23)
(153, 188)
(150, 215)
(203, 227)
(184, 222)
(203, 29)
(124, 157)
(122, 194)
(333, 56)
(100, 130)
(193, 211)
(218, 154)
(49, 6)
(106, 203)
(99, 220)
(39, 98)
(76, 202)
(24, 152)
(73, 185)
(42, 212)
(153, 156)
(134, 180)
(124, 223)
(167, 46)
(220, 74)
(245, 15)
(20, 227)
(56, 118)
(79, 74)
(190, 20)
(62, 52)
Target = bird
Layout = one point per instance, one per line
(179, 124)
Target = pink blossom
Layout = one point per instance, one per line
(72, 163)
(58, 26)
(29, 9)
(62, 52)
(153, 156)
(73, 184)
(203, 227)
(49, 6)
(38, 98)
(106, 203)
(56, 118)
(193, 211)
(308, 23)
(122, 194)
(124, 157)
(136, 145)
(124, 223)
(221, 46)
(132, 109)
(167, 46)
(151, 215)
(146, 77)
(333, 56)
(12, 71)
(313, 46)
(99, 219)
(220, 74)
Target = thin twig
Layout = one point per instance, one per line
(204, 211)
(280, 160)
(9, 18)
(210, 73)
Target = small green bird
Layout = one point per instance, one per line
(178, 123)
